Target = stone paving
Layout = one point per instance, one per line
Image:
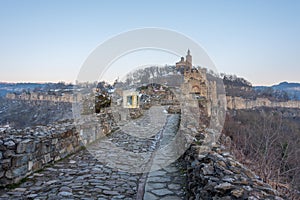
(80, 176)
(95, 173)
(167, 183)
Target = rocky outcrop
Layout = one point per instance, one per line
(241, 103)
(217, 175)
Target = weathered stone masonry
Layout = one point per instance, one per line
(25, 151)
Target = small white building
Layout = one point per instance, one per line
(130, 99)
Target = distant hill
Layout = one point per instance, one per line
(239, 87)
(29, 87)
(18, 87)
(292, 89)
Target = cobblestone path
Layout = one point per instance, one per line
(102, 172)
(168, 182)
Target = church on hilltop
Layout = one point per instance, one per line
(194, 78)
(185, 65)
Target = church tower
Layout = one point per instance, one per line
(185, 65)
(189, 59)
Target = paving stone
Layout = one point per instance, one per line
(20, 189)
(174, 186)
(157, 173)
(171, 169)
(159, 179)
(65, 189)
(65, 194)
(118, 197)
(171, 198)
(31, 195)
(156, 185)
(110, 192)
(162, 192)
(102, 187)
(149, 196)
(51, 182)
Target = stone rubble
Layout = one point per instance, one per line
(217, 175)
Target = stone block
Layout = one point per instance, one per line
(19, 159)
(25, 146)
(2, 173)
(62, 151)
(2, 147)
(10, 144)
(37, 165)
(47, 158)
(70, 148)
(8, 153)
(6, 163)
(9, 174)
(46, 147)
(38, 148)
(57, 158)
(5, 181)
(54, 141)
(20, 171)
(30, 165)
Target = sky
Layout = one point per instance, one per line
(48, 41)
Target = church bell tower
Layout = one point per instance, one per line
(189, 59)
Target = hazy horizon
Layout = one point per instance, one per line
(66, 82)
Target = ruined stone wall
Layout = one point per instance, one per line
(212, 173)
(28, 150)
(23, 151)
(241, 103)
(33, 96)
(215, 174)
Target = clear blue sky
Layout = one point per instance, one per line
(49, 40)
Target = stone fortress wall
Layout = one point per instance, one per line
(35, 96)
(24, 151)
(212, 96)
(241, 103)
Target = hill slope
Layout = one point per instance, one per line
(292, 89)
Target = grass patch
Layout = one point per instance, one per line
(39, 170)
(15, 185)
(183, 171)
